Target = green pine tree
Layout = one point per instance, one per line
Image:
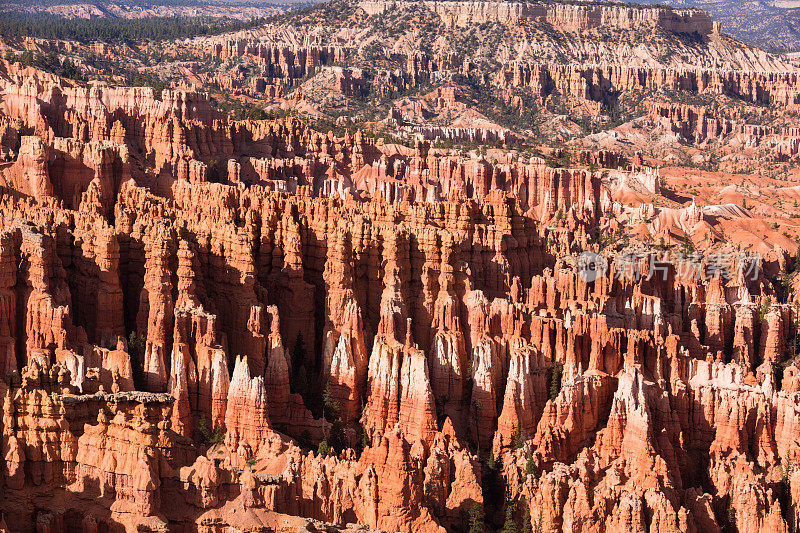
(556, 369)
(510, 525)
(476, 518)
(527, 527)
(531, 469)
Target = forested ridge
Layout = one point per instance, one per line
(47, 26)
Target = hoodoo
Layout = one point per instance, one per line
(401, 266)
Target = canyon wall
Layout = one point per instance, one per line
(575, 17)
(209, 324)
(603, 82)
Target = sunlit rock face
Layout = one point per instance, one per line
(339, 331)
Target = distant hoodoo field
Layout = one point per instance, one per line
(402, 266)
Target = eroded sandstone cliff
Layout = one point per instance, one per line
(211, 325)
